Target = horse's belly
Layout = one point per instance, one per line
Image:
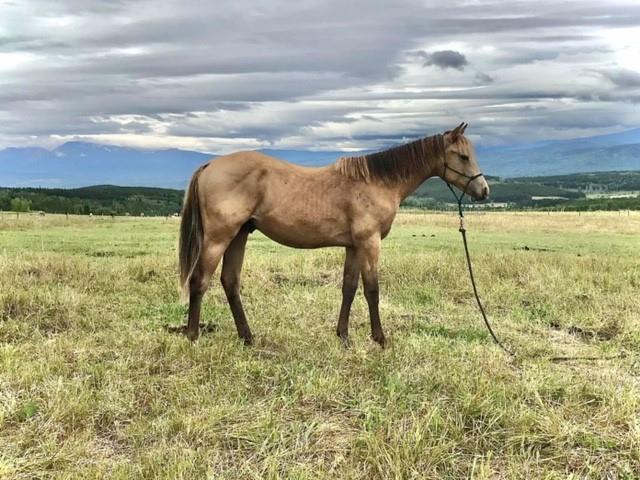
(305, 232)
(303, 211)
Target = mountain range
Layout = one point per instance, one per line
(77, 164)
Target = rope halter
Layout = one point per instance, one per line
(470, 178)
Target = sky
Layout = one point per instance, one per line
(314, 74)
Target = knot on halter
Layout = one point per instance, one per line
(464, 191)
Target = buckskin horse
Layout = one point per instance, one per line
(350, 203)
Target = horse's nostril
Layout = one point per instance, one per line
(485, 192)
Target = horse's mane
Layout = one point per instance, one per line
(395, 164)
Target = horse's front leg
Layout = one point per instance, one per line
(369, 252)
(349, 287)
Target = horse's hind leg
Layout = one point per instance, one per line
(230, 278)
(199, 282)
(369, 252)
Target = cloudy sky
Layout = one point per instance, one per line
(314, 74)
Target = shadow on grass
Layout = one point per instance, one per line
(181, 329)
(467, 334)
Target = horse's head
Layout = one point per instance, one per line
(460, 167)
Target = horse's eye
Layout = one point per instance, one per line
(464, 157)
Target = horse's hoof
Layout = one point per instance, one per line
(248, 341)
(380, 340)
(346, 343)
(192, 335)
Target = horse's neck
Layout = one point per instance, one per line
(408, 186)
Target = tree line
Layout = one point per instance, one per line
(98, 200)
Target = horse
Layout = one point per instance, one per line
(350, 203)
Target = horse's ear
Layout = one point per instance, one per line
(452, 135)
(464, 127)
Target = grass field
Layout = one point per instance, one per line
(93, 386)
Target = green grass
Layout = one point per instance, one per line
(92, 385)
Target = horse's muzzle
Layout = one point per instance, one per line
(480, 190)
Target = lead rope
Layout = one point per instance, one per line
(463, 232)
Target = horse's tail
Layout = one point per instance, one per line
(191, 233)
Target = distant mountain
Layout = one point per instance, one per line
(618, 151)
(76, 164)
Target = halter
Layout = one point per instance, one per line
(464, 191)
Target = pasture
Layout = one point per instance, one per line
(92, 385)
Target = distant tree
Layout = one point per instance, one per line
(5, 200)
(19, 204)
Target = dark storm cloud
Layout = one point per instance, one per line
(284, 72)
(444, 59)
(482, 78)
